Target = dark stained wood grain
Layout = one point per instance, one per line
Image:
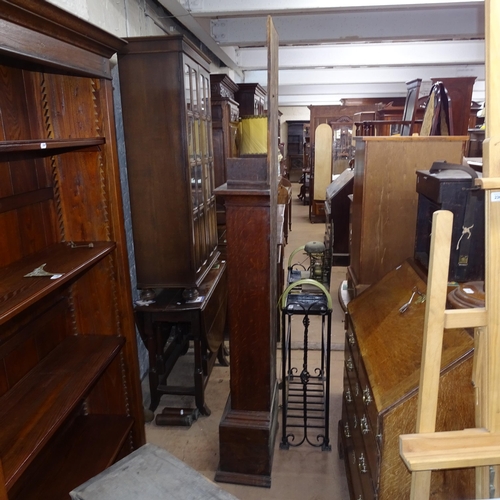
(59, 182)
(77, 457)
(67, 374)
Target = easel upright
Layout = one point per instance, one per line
(479, 447)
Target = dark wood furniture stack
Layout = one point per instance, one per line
(460, 94)
(384, 208)
(225, 117)
(70, 396)
(295, 148)
(383, 350)
(165, 91)
(338, 116)
(251, 98)
(337, 215)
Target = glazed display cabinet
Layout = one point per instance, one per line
(165, 92)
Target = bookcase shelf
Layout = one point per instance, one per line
(74, 457)
(18, 291)
(41, 145)
(44, 398)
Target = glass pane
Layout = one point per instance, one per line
(194, 187)
(187, 86)
(203, 94)
(203, 139)
(196, 142)
(194, 93)
(190, 138)
(196, 241)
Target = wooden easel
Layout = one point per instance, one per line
(479, 447)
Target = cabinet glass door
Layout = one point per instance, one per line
(200, 155)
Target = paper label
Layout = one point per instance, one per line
(495, 196)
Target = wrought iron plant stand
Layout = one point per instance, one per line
(306, 390)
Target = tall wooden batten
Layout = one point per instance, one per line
(248, 426)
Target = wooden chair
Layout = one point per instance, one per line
(411, 103)
(369, 127)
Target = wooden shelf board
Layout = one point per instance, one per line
(450, 450)
(17, 292)
(84, 450)
(43, 399)
(48, 144)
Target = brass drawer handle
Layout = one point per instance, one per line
(367, 397)
(348, 396)
(365, 428)
(349, 364)
(362, 464)
(347, 431)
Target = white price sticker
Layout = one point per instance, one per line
(43, 145)
(495, 196)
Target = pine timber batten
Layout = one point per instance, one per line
(450, 449)
(488, 183)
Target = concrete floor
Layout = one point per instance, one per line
(302, 473)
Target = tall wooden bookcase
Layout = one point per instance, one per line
(70, 396)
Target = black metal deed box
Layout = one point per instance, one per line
(451, 187)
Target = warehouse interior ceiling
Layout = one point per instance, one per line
(342, 49)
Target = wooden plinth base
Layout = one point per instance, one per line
(247, 441)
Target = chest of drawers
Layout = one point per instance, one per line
(381, 377)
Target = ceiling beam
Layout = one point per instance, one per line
(412, 23)
(225, 8)
(367, 75)
(367, 54)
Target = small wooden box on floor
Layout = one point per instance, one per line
(384, 208)
(383, 352)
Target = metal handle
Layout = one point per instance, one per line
(367, 397)
(351, 338)
(362, 464)
(365, 428)
(348, 396)
(349, 364)
(347, 431)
